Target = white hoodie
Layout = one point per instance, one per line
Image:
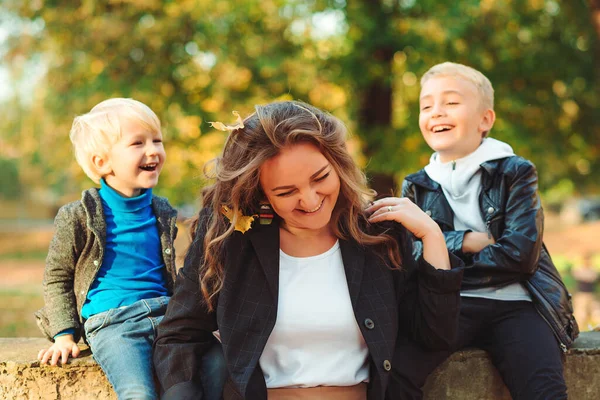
(461, 183)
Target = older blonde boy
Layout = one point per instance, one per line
(111, 263)
(485, 199)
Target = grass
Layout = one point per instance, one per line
(16, 312)
(22, 255)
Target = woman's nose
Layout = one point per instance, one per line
(310, 200)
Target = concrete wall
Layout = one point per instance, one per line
(467, 375)
(22, 377)
(470, 375)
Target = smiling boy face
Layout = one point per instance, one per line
(452, 118)
(135, 160)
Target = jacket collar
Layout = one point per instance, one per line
(353, 257)
(94, 213)
(265, 240)
(490, 168)
(422, 179)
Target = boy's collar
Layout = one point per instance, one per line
(422, 179)
(490, 166)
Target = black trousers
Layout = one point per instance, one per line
(521, 345)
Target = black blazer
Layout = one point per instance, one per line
(418, 301)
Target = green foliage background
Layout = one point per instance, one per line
(195, 61)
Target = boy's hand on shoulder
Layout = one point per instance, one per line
(63, 347)
(474, 242)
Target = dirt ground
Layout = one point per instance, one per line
(574, 240)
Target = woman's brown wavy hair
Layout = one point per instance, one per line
(269, 129)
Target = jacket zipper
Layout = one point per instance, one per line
(541, 310)
(555, 330)
(489, 223)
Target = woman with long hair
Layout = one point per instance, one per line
(305, 283)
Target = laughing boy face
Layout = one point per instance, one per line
(134, 162)
(452, 118)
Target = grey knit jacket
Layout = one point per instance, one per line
(75, 256)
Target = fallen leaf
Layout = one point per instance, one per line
(243, 222)
(222, 127)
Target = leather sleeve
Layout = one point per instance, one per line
(408, 190)
(516, 253)
(454, 243)
(454, 239)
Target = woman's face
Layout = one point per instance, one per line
(302, 186)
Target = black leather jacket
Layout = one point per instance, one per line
(511, 208)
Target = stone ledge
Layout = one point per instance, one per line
(466, 375)
(22, 376)
(470, 375)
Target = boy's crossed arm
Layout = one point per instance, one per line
(474, 242)
(517, 249)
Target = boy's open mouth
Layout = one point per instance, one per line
(149, 167)
(441, 128)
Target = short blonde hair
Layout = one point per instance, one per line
(97, 131)
(455, 70)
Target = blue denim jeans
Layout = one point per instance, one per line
(121, 342)
(214, 373)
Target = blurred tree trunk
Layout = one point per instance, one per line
(595, 14)
(375, 105)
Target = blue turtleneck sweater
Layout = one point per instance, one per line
(132, 267)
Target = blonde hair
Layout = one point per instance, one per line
(455, 70)
(97, 131)
(236, 172)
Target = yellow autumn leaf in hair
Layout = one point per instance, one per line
(243, 223)
(222, 127)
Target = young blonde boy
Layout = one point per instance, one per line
(111, 263)
(485, 199)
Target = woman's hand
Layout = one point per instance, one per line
(407, 213)
(63, 347)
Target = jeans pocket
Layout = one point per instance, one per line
(96, 322)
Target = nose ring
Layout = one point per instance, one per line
(389, 208)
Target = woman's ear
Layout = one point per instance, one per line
(101, 164)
